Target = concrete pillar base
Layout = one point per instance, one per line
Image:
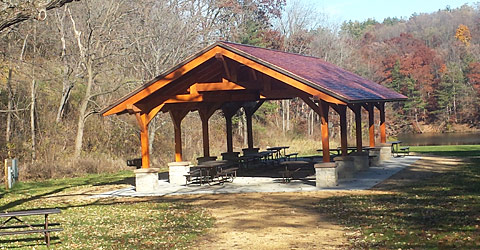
(146, 179)
(374, 157)
(206, 158)
(247, 151)
(360, 161)
(345, 167)
(177, 172)
(326, 174)
(385, 152)
(230, 155)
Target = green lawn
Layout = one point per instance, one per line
(439, 213)
(106, 223)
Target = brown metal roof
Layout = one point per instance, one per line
(318, 74)
(314, 72)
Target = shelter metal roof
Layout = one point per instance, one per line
(310, 71)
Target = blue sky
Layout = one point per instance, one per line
(344, 10)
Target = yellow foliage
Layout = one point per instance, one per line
(463, 34)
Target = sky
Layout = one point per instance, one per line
(361, 10)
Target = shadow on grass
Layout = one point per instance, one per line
(441, 212)
(29, 242)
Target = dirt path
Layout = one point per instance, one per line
(289, 220)
(270, 221)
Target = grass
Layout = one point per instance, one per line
(103, 223)
(448, 150)
(439, 213)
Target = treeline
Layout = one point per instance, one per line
(56, 74)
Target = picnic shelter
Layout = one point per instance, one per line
(230, 76)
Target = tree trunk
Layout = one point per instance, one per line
(33, 87)
(67, 85)
(82, 112)
(8, 130)
(32, 118)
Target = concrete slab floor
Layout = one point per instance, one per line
(361, 181)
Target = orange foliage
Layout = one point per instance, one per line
(463, 34)
(474, 75)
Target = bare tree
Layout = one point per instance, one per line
(99, 39)
(16, 11)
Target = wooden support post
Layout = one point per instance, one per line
(249, 130)
(325, 140)
(143, 119)
(371, 123)
(205, 113)
(143, 124)
(357, 109)
(383, 133)
(322, 111)
(229, 111)
(177, 117)
(250, 109)
(228, 120)
(342, 111)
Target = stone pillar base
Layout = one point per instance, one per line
(345, 167)
(206, 158)
(374, 157)
(385, 152)
(177, 172)
(146, 180)
(326, 174)
(248, 151)
(360, 160)
(230, 155)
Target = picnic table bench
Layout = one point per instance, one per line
(399, 150)
(19, 228)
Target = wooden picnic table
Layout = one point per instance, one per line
(278, 150)
(338, 150)
(14, 215)
(221, 170)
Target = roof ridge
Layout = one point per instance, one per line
(275, 50)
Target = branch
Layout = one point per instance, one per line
(13, 110)
(16, 11)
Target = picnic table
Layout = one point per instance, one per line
(350, 150)
(397, 149)
(33, 228)
(212, 171)
(278, 151)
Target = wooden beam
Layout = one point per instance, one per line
(185, 98)
(152, 87)
(177, 117)
(250, 109)
(225, 66)
(371, 124)
(383, 134)
(342, 111)
(205, 112)
(142, 121)
(322, 111)
(280, 76)
(229, 110)
(357, 110)
(158, 98)
(218, 86)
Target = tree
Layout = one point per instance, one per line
(99, 37)
(463, 34)
(16, 11)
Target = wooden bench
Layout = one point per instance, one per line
(401, 151)
(227, 174)
(33, 228)
(289, 156)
